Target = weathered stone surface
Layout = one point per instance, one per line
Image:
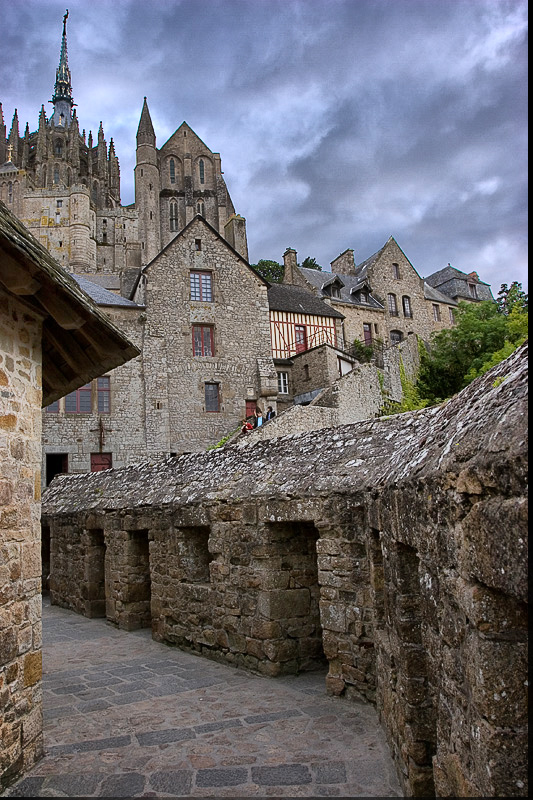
(359, 544)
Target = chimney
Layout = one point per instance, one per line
(291, 265)
(344, 264)
(235, 234)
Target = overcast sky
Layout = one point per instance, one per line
(339, 122)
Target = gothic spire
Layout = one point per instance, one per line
(62, 98)
(145, 131)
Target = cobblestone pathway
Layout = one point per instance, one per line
(128, 717)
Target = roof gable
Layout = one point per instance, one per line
(186, 231)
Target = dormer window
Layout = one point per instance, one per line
(472, 290)
(363, 297)
(335, 290)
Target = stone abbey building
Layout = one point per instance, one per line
(172, 272)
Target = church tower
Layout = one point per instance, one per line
(147, 187)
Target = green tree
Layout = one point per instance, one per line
(270, 270)
(310, 263)
(460, 352)
(511, 297)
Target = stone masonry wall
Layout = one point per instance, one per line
(238, 317)
(407, 532)
(121, 432)
(20, 556)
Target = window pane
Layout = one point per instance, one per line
(195, 286)
(211, 397)
(283, 382)
(104, 395)
(206, 287)
(53, 408)
(70, 403)
(208, 341)
(85, 399)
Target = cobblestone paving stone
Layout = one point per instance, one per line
(125, 716)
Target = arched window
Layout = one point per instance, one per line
(392, 304)
(200, 208)
(172, 170)
(406, 305)
(173, 216)
(396, 337)
(58, 147)
(201, 167)
(56, 174)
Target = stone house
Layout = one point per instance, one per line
(382, 299)
(52, 340)
(392, 551)
(206, 346)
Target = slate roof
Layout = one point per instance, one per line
(430, 293)
(101, 296)
(294, 299)
(348, 284)
(454, 283)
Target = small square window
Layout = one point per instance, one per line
(197, 244)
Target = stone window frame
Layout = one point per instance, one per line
(203, 340)
(396, 271)
(436, 312)
(407, 307)
(173, 216)
(451, 312)
(212, 397)
(396, 336)
(201, 286)
(172, 170)
(201, 170)
(392, 304)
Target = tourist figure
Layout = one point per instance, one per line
(270, 413)
(258, 418)
(247, 426)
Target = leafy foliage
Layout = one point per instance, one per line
(270, 270)
(310, 263)
(485, 334)
(511, 298)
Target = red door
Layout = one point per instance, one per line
(250, 408)
(101, 461)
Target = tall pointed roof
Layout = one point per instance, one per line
(63, 87)
(145, 131)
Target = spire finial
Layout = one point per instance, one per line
(62, 98)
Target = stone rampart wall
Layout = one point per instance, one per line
(394, 549)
